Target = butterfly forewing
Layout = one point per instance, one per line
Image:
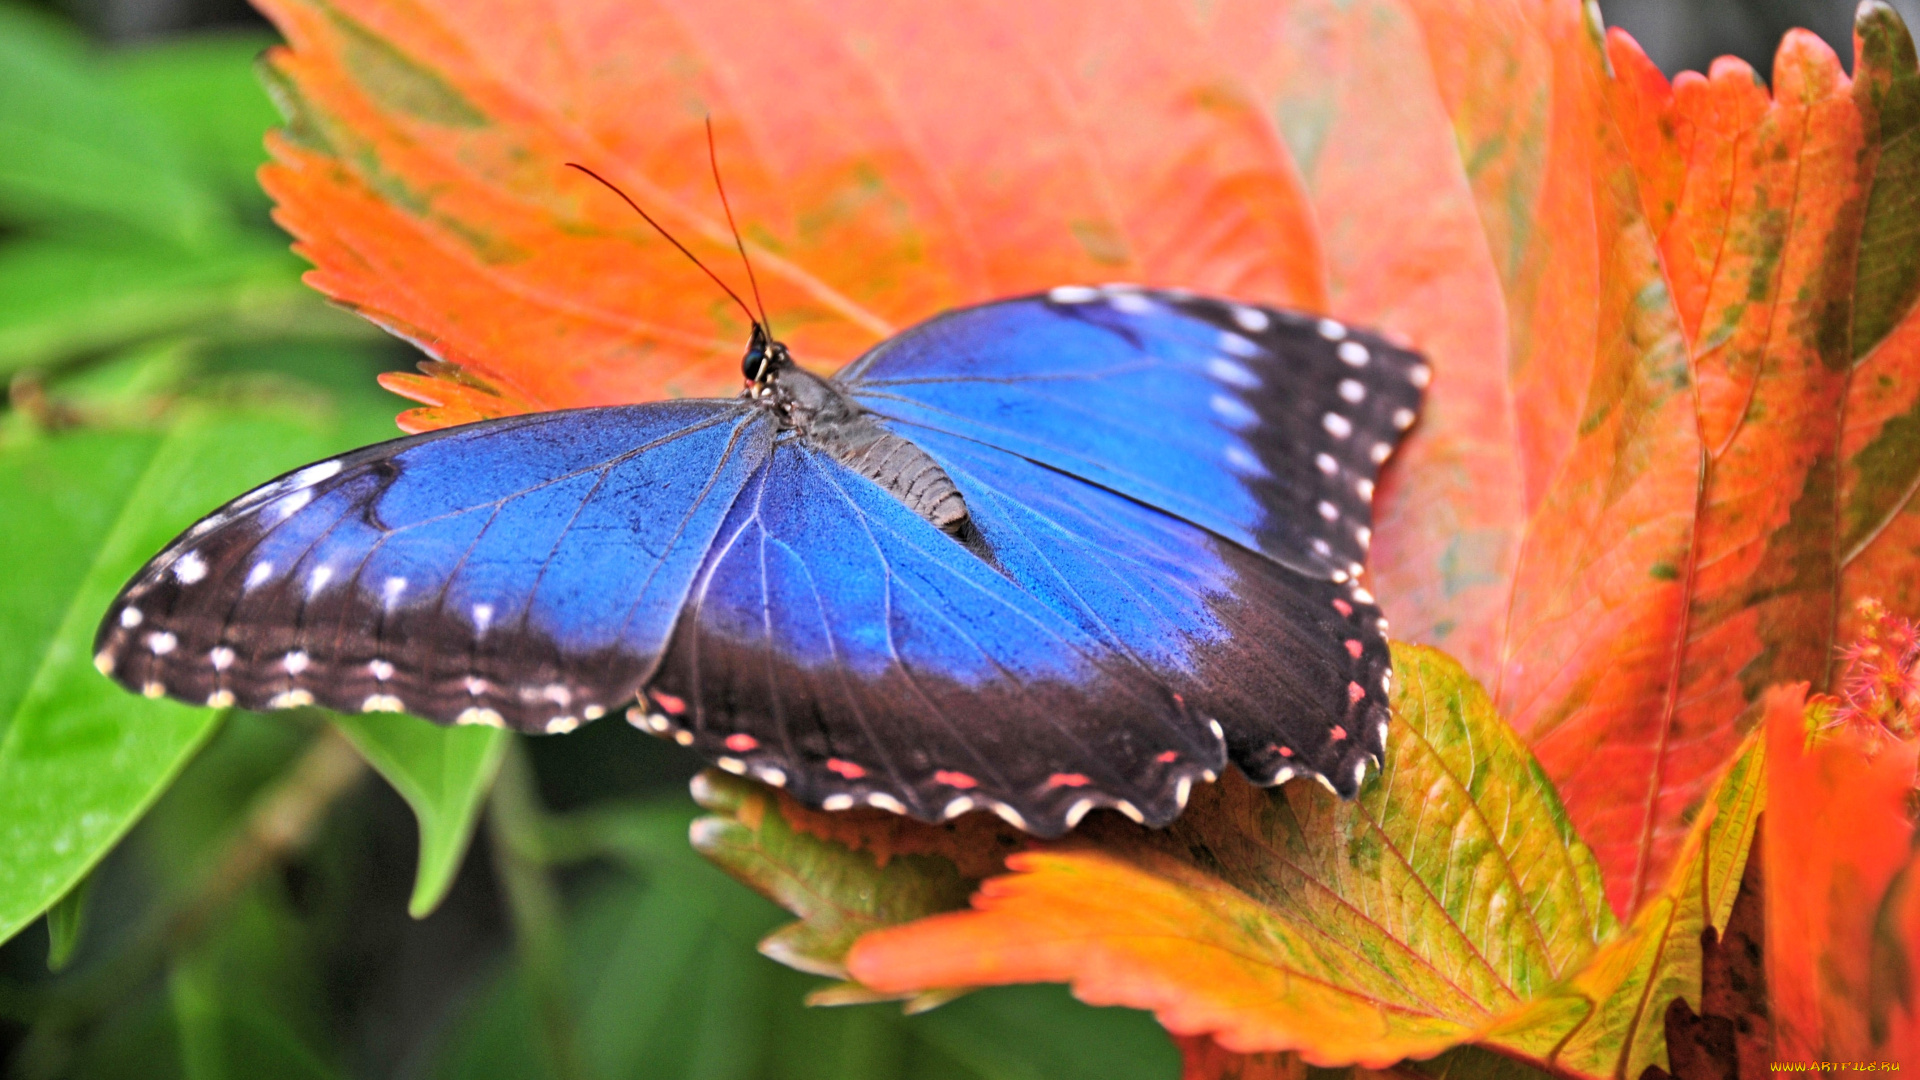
(522, 571)
(1266, 427)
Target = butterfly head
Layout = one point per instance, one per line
(765, 357)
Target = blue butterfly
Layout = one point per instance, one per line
(1067, 551)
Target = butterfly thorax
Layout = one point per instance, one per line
(817, 411)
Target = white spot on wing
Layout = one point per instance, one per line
(1331, 330)
(190, 568)
(290, 505)
(1073, 294)
(594, 712)
(221, 658)
(955, 808)
(1132, 303)
(1354, 354)
(220, 699)
(1420, 375)
(1380, 452)
(837, 802)
(1364, 535)
(1182, 789)
(1363, 596)
(482, 717)
(1236, 345)
(292, 699)
(1364, 487)
(482, 617)
(1252, 320)
(1337, 426)
(381, 669)
(154, 689)
(103, 662)
(883, 801)
(1009, 815)
(390, 590)
(1077, 811)
(1328, 510)
(1321, 547)
(313, 474)
(732, 764)
(382, 703)
(130, 617)
(1325, 463)
(1232, 411)
(295, 662)
(1240, 459)
(318, 579)
(161, 642)
(1403, 418)
(561, 725)
(1232, 373)
(259, 574)
(1133, 812)
(1352, 392)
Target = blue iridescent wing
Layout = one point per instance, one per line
(524, 571)
(838, 644)
(1265, 427)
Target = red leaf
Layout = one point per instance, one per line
(1842, 916)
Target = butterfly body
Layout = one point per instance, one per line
(1050, 554)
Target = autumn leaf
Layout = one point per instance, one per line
(1706, 304)
(1843, 919)
(423, 173)
(1397, 925)
(1450, 904)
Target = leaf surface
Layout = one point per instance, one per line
(444, 773)
(866, 161)
(1681, 278)
(1841, 925)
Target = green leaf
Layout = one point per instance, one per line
(203, 90)
(61, 298)
(1609, 1020)
(666, 984)
(838, 894)
(444, 774)
(80, 758)
(72, 143)
(65, 922)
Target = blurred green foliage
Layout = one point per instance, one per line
(201, 895)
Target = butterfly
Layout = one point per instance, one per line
(1066, 551)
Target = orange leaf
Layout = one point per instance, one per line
(1680, 269)
(1398, 925)
(869, 163)
(1842, 917)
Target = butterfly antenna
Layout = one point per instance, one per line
(657, 227)
(713, 158)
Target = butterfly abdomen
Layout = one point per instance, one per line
(819, 412)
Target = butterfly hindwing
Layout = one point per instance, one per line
(523, 571)
(1293, 667)
(1266, 427)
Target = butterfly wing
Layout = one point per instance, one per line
(523, 571)
(1265, 427)
(840, 645)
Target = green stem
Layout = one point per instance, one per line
(515, 823)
